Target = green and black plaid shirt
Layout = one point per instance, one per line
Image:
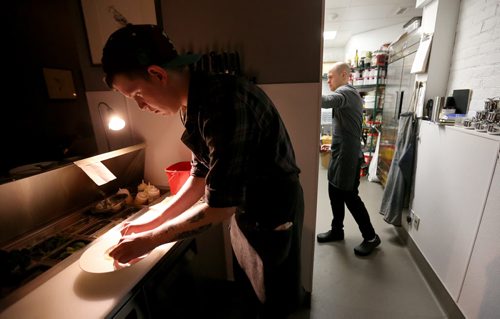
(236, 136)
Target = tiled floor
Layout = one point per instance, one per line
(385, 285)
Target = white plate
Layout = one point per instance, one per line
(96, 258)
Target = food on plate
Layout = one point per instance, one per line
(142, 186)
(141, 198)
(113, 204)
(153, 193)
(129, 200)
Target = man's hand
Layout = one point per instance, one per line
(325, 148)
(131, 247)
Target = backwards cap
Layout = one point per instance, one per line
(137, 46)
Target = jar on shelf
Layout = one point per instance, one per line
(380, 57)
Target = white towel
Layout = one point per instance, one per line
(248, 259)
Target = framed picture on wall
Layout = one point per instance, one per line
(103, 17)
(59, 83)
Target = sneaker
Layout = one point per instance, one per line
(330, 235)
(366, 247)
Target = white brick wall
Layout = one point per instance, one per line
(476, 57)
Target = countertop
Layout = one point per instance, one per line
(74, 293)
(464, 130)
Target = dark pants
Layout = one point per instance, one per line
(339, 199)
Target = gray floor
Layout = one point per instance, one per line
(385, 285)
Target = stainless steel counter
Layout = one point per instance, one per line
(73, 293)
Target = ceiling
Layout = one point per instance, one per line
(350, 17)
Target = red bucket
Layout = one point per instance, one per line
(177, 175)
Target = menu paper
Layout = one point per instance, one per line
(422, 56)
(99, 173)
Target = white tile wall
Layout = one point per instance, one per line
(476, 58)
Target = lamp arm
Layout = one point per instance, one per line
(102, 122)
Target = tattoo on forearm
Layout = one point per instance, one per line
(191, 233)
(199, 216)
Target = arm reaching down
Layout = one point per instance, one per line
(188, 224)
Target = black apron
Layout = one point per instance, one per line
(343, 166)
(270, 205)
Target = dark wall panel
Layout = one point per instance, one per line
(279, 41)
(40, 34)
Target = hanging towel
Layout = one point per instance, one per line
(248, 259)
(397, 189)
(372, 169)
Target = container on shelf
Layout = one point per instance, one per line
(177, 175)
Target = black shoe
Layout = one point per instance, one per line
(330, 235)
(366, 247)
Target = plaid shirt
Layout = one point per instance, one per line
(236, 136)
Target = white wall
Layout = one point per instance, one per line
(476, 58)
(333, 55)
(299, 106)
(367, 41)
(371, 41)
(440, 17)
(162, 135)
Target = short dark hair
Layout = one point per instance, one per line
(135, 47)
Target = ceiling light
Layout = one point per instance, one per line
(329, 35)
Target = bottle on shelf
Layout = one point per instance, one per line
(356, 59)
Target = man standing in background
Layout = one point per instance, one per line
(345, 163)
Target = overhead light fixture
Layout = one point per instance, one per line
(115, 122)
(329, 35)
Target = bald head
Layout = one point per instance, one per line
(340, 67)
(338, 75)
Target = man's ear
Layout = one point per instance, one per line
(345, 75)
(157, 72)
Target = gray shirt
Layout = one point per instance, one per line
(347, 124)
(347, 108)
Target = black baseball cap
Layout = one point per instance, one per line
(137, 46)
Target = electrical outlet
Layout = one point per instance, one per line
(409, 218)
(416, 221)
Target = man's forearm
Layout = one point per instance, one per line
(192, 222)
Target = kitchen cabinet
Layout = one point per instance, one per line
(481, 288)
(458, 210)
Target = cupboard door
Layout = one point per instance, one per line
(452, 180)
(481, 290)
